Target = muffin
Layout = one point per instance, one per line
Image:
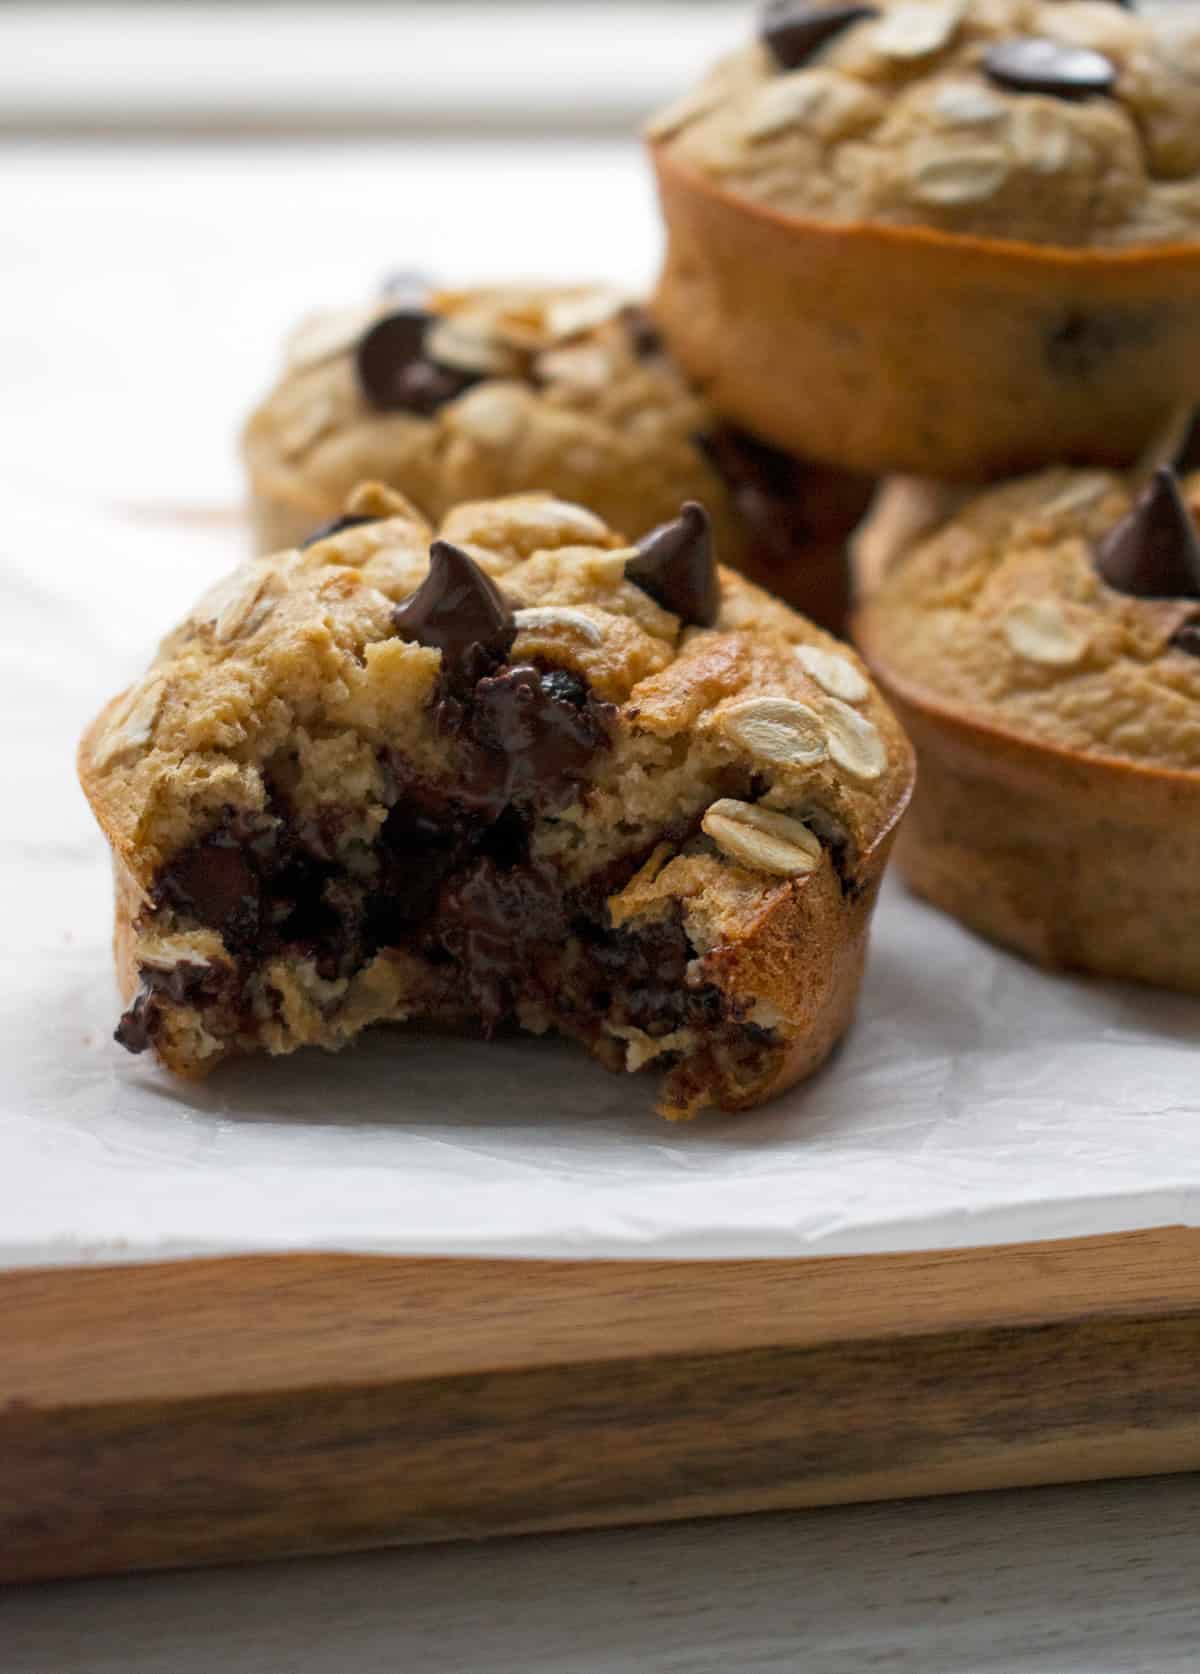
(525, 776)
(902, 511)
(467, 395)
(1043, 650)
(905, 509)
(954, 238)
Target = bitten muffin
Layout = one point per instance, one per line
(527, 776)
(452, 396)
(1043, 649)
(957, 238)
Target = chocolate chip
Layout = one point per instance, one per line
(792, 31)
(1031, 64)
(214, 883)
(136, 1027)
(184, 984)
(394, 372)
(1187, 639)
(644, 335)
(1154, 552)
(536, 741)
(334, 527)
(531, 734)
(675, 565)
(460, 611)
(647, 972)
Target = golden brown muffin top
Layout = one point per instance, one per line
(1006, 616)
(504, 390)
(942, 114)
(293, 665)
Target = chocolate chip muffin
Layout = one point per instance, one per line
(958, 238)
(450, 396)
(525, 776)
(1043, 649)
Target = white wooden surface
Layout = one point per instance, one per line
(1097, 1580)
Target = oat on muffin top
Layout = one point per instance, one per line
(1059, 122)
(305, 643)
(459, 395)
(1064, 607)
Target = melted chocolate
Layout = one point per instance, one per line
(675, 565)
(530, 735)
(1154, 552)
(217, 881)
(495, 922)
(532, 744)
(182, 985)
(450, 878)
(459, 610)
(647, 972)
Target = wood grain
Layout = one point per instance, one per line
(212, 1410)
(1095, 1579)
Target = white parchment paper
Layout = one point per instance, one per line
(976, 1100)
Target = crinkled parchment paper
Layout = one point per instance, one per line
(976, 1100)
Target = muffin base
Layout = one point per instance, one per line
(1077, 862)
(902, 349)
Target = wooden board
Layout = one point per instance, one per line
(212, 1410)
